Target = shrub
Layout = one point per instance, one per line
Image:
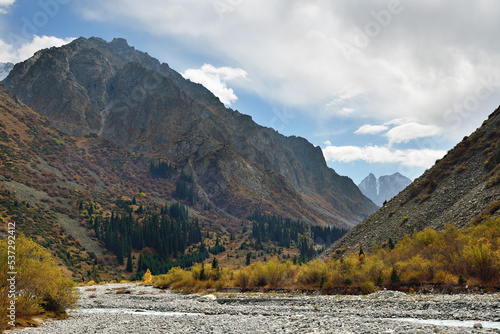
(242, 278)
(275, 273)
(482, 262)
(368, 287)
(40, 284)
(311, 272)
(147, 278)
(175, 278)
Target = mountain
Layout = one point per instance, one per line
(384, 188)
(92, 87)
(5, 68)
(461, 188)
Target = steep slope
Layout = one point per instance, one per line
(93, 87)
(93, 205)
(461, 188)
(384, 188)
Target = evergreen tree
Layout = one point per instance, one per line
(130, 267)
(394, 276)
(202, 272)
(249, 256)
(391, 244)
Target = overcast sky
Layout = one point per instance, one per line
(381, 86)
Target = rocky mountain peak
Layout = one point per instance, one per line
(110, 89)
(384, 188)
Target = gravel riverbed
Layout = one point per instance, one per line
(135, 308)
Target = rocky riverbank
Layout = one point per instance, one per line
(133, 308)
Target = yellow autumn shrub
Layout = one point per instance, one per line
(38, 282)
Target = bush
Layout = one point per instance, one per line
(368, 287)
(311, 272)
(242, 278)
(40, 284)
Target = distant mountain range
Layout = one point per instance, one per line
(5, 69)
(462, 188)
(383, 188)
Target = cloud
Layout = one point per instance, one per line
(215, 79)
(323, 56)
(410, 131)
(25, 51)
(4, 4)
(346, 111)
(382, 154)
(371, 129)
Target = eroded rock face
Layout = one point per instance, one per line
(110, 89)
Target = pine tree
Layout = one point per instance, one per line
(394, 276)
(249, 256)
(391, 244)
(215, 264)
(202, 272)
(130, 267)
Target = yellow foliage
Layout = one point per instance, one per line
(147, 278)
(39, 283)
(275, 273)
(311, 272)
(428, 256)
(242, 278)
(368, 287)
(482, 261)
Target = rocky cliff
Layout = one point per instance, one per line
(461, 188)
(110, 89)
(384, 188)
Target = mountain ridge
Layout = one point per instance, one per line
(126, 96)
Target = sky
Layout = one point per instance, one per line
(382, 86)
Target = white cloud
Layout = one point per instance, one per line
(346, 111)
(382, 154)
(410, 131)
(4, 4)
(9, 54)
(215, 79)
(371, 129)
(320, 56)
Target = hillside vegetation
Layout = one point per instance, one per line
(449, 258)
(105, 213)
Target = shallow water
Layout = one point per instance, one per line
(131, 311)
(450, 323)
(447, 323)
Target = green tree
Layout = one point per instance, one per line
(130, 267)
(394, 276)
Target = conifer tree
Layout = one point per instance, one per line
(130, 267)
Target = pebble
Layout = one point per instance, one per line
(380, 312)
